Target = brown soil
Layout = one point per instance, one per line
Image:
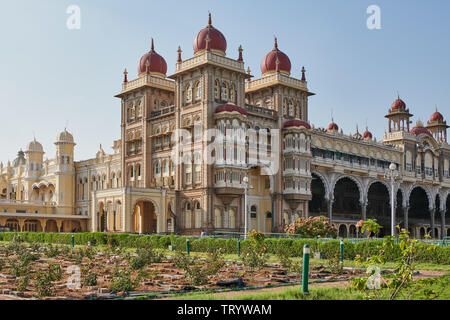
(161, 277)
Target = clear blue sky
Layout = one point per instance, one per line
(51, 76)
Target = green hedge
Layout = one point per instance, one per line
(430, 254)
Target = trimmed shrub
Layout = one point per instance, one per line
(431, 254)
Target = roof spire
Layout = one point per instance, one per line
(153, 45)
(303, 74)
(125, 78)
(240, 53)
(179, 54)
(209, 19)
(276, 44)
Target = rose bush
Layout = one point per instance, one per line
(312, 227)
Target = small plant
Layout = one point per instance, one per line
(19, 268)
(22, 283)
(55, 272)
(52, 251)
(89, 276)
(145, 257)
(122, 281)
(197, 271)
(334, 263)
(255, 255)
(285, 258)
(44, 284)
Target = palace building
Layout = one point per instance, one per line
(143, 187)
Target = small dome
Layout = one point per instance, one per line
(20, 160)
(333, 127)
(276, 60)
(156, 64)
(231, 108)
(367, 135)
(420, 129)
(35, 146)
(297, 123)
(217, 41)
(437, 117)
(399, 104)
(64, 136)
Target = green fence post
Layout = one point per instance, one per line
(306, 252)
(188, 246)
(342, 251)
(73, 241)
(239, 247)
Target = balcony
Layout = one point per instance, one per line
(162, 112)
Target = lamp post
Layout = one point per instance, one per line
(245, 181)
(392, 174)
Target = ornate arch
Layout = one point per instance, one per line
(428, 192)
(326, 183)
(359, 184)
(148, 199)
(386, 184)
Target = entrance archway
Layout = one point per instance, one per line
(379, 207)
(346, 200)
(419, 214)
(145, 220)
(51, 226)
(318, 204)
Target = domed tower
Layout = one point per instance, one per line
(210, 39)
(438, 127)
(276, 61)
(367, 135)
(399, 116)
(34, 154)
(65, 171)
(152, 63)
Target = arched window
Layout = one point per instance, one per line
(217, 218)
(165, 168)
(197, 91)
(139, 108)
(224, 91)
(131, 172)
(217, 90)
(233, 94)
(188, 94)
(157, 168)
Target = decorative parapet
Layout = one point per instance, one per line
(273, 79)
(209, 58)
(148, 80)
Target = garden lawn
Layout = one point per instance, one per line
(336, 291)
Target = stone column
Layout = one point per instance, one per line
(406, 213)
(330, 209)
(443, 233)
(364, 210)
(432, 212)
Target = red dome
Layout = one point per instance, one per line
(399, 104)
(367, 135)
(333, 127)
(436, 117)
(231, 108)
(217, 41)
(297, 123)
(269, 63)
(420, 129)
(156, 63)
